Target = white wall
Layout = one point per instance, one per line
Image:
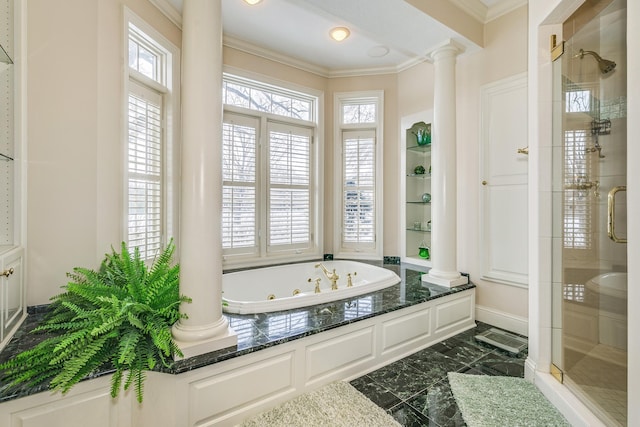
(504, 55)
(75, 63)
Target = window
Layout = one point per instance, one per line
(144, 170)
(267, 99)
(359, 203)
(580, 169)
(577, 203)
(239, 188)
(289, 187)
(151, 101)
(358, 168)
(270, 195)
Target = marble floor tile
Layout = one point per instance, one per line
(401, 379)
(377, 393)
(415, 390)
(438, 404)
(409, 417)
(499, 364)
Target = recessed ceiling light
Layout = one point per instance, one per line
(339, 33)
(252, 2)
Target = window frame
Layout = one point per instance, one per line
(275, 255)
(168, 87)
(344, 249)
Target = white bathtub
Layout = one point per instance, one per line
(249, 291)
(613, 284)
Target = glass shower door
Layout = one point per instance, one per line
(589, 209)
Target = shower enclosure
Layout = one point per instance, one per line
(589, 209)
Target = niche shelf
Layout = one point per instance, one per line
(416, 214)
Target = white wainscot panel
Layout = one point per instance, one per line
(453, 313)
(96, 409)
(335, 355)
(506, 249)
(220, 395)
(406, 330)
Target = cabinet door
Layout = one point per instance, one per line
(503, 201)
(12, 291)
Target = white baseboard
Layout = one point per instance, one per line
(500, 319)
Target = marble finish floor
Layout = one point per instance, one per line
(415, 390)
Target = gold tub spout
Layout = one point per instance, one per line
(331, 275)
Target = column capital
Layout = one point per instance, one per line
(449, 48)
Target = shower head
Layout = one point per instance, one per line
(605, 65)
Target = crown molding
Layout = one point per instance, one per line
(480, 12)
(270, 55)
(504, 7)
(274, 56)
(169, 11)
(475, 8)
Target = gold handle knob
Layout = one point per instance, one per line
(484, 182)
(8, 272)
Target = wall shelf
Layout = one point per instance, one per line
(416, 211)
(420, 148)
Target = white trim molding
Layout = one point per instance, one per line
(500, 319)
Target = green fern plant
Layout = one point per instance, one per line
(118, 317)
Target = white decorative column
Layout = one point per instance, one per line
(443, 179)
(205, 329)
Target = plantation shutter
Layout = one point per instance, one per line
(578, 227)
(289, 187)
(144, 170)
(239, 190)
(358, 201)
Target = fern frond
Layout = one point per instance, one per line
(120, 315)
(116, 381)
(140, 376)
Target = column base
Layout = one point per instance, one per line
(448, 282)
(194, 341)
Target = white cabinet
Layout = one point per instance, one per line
(416, 227)
(12, 298)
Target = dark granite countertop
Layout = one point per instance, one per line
(259, 331)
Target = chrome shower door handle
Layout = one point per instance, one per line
(611, 213)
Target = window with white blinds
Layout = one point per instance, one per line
(144, 227)
(268, 207)
(239, 188)
(152, 84)
(289, 197)
(578, 212)
(358, 159)
(358, 191)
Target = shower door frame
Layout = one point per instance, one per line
(546, 18)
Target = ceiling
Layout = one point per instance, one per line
(386, 35)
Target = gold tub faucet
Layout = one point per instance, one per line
(331, 275)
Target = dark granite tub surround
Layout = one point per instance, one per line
(264, 330)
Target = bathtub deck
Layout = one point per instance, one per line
(261, 331)
(279, 356)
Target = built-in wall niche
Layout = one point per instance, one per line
(416, 192)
